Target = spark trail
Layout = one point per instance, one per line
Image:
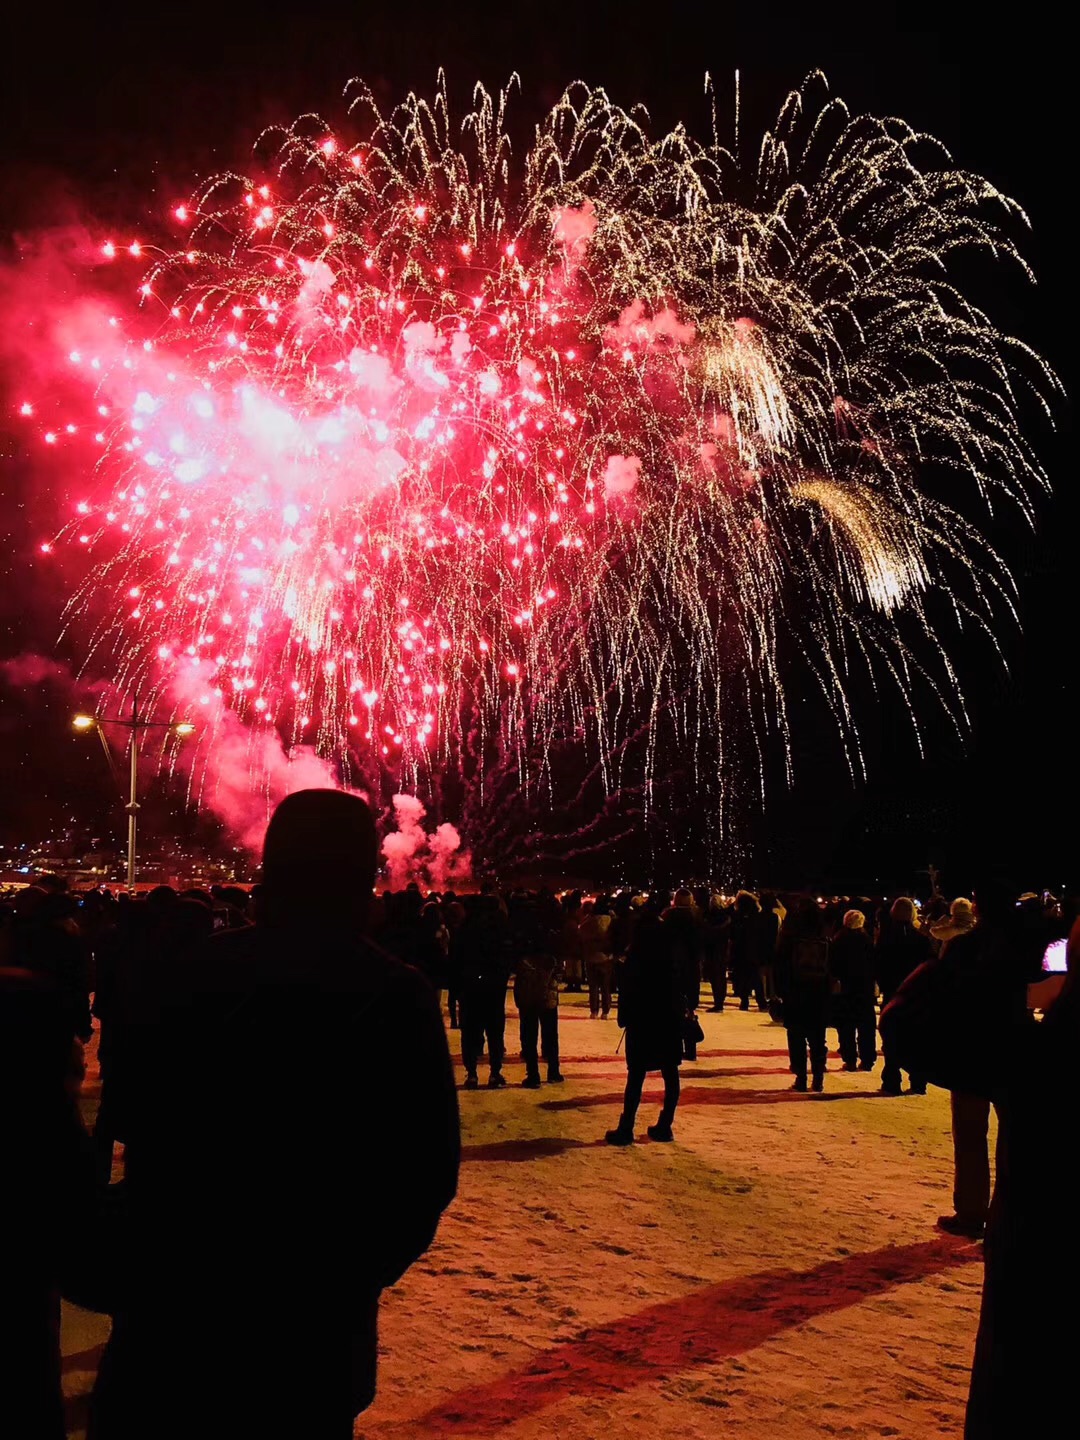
(406, 439)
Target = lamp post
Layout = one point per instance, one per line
(135, 723)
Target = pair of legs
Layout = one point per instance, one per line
(856, 1030)
(971, 1159)
(483, 1018)
(635, 1081)
(599, 972)
(805, 1019)
(718, 983)
(546, 1024)
(892, 1080)
(747, 983)
(767, 984)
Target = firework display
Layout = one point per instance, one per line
(406, 433)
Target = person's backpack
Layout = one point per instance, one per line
(810, 960)
(532, 981)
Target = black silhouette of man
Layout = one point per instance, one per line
(293, 1145)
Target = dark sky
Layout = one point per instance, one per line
(103, 102)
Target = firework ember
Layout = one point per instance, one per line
(404, 434)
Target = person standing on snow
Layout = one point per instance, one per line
(536, 990)
(803, 978)
(851, 963)
(652, 1011)
(482, 966)
(901, 949)
(260, 1229)
(595, 933)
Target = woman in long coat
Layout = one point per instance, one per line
(652, 1011)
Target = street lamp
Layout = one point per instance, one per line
(135, 723)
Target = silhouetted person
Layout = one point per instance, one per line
(802, 973)
(901, 949)
(745, 950)
(45, 1199)
(960, 1021)
(771, 913)
(652, 1010)
(44, 939)
(571, 953)
(595, 932)
(536, 989)
(851, 964)
(482, 964)
(433, 940)
(686, 935)
(717, 925)
(293, 1165)
(138, 966)
(1023, 1381)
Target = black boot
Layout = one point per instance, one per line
(818, 1084)
(623, 1134)
(532, 1081)
(800, 1083)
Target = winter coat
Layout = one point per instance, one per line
(770, 936)
(570, 949)
(687, 938)
(47, 1199)
(802, 960)
(621, 933)
(900, 951)
(851, 964)
(744, 948)
(481, 949)
(262, 1228)
(959, 1018)
(652, 1000)
(534, 947)
(1023, 1379)
(596, 939)
(536, 985)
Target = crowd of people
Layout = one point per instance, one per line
(811, 964)
(312, 963)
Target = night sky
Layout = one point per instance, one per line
(112, 110)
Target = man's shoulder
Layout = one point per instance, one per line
(235, 959)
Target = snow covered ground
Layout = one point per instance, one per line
(774, 1273)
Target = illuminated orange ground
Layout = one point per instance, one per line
(775, 1273)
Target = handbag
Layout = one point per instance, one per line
(692, 1030)
(692, 1036)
